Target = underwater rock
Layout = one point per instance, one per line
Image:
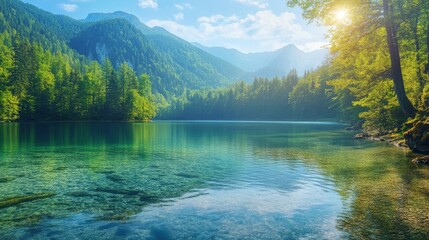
(108, 226)
(421, 160)
(144, 197)
(80, 194)
(186, 175)
(148, 198)
(361, 136)
(122, 231)
(114, 178)
(6, 179)
(12, 201)
(118, 191)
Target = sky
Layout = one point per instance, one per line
(246, 25)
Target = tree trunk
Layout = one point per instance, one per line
(427, 48)
(418, 57)
(398, 81)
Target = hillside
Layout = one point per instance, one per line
(199, 68)
(173, 65)
(52, 31)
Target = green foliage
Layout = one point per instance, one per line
(9, 107)
(38, 85)
(6, 58)
(276, 99)
(139, 107)
(310, 97)
(173, 64)
(363, 62)
(176, 65)
(41, 78)
(382, 110)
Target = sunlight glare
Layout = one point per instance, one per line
(342, 16)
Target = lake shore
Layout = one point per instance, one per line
(395, 139)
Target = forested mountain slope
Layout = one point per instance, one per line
(172, 64)
(185, 64)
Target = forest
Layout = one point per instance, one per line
(376, 78)
(38, 85)
(377, 74)
(289, 97)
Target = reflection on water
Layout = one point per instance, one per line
(203, 180)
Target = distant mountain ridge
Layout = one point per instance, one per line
(270, 64)
(198, 68)
(261, 64)
(172, 64)
(146, 30)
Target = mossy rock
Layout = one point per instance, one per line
(421, 160)
(417, 138)
(12, 201)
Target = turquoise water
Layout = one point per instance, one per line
(206, 180)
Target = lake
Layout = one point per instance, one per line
(206, 180)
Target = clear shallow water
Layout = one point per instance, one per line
(206, 180)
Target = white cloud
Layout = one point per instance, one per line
(177, 29)
(148, 4)
(311, 46)
(262, 4)
(179, 16)
(261, 31)
(69, 7)
(183, 6)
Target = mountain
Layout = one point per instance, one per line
(96, 17)
(173, 64)
(270, 64)
(189, 62)
(28, 21)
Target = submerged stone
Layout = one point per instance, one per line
(80, 194)
(421, 160)
(108, 226)
(361, 136)
(12, 201)
(114, 178)
(6, 179)
(148, 198)
(122, 232)
(186, 175)
(118, 191)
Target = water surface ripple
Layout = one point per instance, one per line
(206, 180)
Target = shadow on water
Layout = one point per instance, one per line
(386, 196)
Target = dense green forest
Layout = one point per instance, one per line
(377, 74)
(47, 68)
(38, 85)
(283, 98)
(173, 64)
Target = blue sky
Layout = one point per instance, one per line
(246, 25)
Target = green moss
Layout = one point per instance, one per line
(12, 201)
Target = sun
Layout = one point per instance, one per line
(342, 16)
